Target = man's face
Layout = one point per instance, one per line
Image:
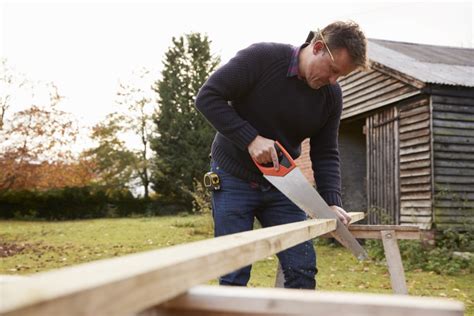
(321, 70)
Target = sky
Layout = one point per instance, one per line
(86, 48)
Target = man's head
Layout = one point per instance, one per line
(335, 51)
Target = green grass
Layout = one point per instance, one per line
(41, 246)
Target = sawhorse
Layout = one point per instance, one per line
(390, 234)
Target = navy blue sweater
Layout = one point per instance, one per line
(252, 95)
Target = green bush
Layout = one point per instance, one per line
(439, 258)
(69, 203)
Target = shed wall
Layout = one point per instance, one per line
(453, 142)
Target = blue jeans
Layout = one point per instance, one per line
(236, 205)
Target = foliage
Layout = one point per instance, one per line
(439, 259)
(49, 175)
(69, 203)
(201, 198)
(137, 119)
(111, 160)
(380, 215)
(33, 139)
(183, 135)
(9, 82)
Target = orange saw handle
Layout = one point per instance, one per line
(286, 163)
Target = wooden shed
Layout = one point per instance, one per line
(407, 136)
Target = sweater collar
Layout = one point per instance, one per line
(293, 69)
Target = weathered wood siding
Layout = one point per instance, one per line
(415, 157)
(453, 142)
(368, 91)
(382, 167)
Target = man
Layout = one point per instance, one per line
(276, 92)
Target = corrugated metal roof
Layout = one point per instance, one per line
(427, 63)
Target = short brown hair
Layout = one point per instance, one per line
(346, 35)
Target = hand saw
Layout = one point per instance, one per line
(292, 183)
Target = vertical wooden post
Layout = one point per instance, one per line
(394, 262)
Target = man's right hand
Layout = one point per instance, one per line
(263, 151)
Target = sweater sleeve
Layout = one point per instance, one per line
(232, 81)
(324, 152)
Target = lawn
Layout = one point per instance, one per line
(32, 246)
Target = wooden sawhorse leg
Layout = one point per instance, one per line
(394, 262)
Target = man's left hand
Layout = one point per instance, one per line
(341, 214)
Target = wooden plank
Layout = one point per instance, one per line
(453, 131)
(453, 116)
(415, 157)
(416, 196)
(455, 204)
(457, 196)
(453, 124)
(416, 180)
(373, 231)
(452, 100)
(415, 188)
(454, 179)
(453, 155)
(453, 108)
(415, 126)
(384, 93)
(374, 89)
(415, 165)
(447, 211)
(467, 221)
(379, 228)
(414, 119)
(272, 301)
(394, 262)
(415, 172)
(415, 141)
(417, 211)
(454, 163)
(464, 140)
(396, 155)
(424, 222)
(137, 281)
(414, 104)
(453, 148)
(456, 171)
(453, 227)
(368, 79)
(355, 76)
(414, 149)
(453, 187)
(392, 98)
(414, 134)
(421, 203)
(422, 109)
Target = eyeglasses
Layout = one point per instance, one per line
(325, 44)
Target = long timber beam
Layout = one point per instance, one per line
(128, 284)
(215, 300)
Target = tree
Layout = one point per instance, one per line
(33, 136)
(10, 83)
(111, 160)
(183, 135)
(138, 119)
(120, 165)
